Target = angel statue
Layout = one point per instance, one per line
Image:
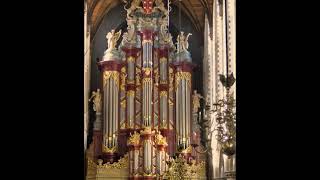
(96, 101)
(196, 101)
(182, 42)
(113, 37)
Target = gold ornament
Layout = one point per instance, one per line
(138, 73)
(171, 78)
(134, 139)
(147, 71)
(183, 76)
(109, 150)
(111, 75)
(160, 140)
(131, 59)
(163, 60)
(163, 93)
(123, 78)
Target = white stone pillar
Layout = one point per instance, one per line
(86, 75)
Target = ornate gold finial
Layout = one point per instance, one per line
(187, 150)
(147, 130)
(160, 140)
(122, 163)
(96, 101)
(109, 150)
(134, 139)
(147, 71)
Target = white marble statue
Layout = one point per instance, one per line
(196, 101)
(112, 38)
(182, 42)
(97, 104)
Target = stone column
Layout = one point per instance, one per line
(86, 75)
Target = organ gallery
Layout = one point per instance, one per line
(149, 121)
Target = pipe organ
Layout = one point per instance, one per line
(147, 104)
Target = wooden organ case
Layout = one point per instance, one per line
(147, 102)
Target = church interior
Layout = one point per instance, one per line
(160, 89)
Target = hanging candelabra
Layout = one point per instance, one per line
(226, 117)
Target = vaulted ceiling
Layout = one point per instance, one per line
(194, 9)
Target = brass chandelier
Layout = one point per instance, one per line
(225, 110)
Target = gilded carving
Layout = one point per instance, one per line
(138, 73)
(111, 74)
(145, 80)
(131, 59)
(147, 130)
(123, 104)
(147, 71)
(183, 76)
(163, 60)
(187, 150)
(130, 93)
(134, 139)
(123, 78)
(180, 169)
(156, 76)
(171, 78)
(163, 93)
(109, 150)
(160, 140)
(122, 163)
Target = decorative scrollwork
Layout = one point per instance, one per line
(134, 139)
(123, 78)
(160, 140)
(111, 74)
(183, 76)
(109, 150)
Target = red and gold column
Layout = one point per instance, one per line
(148, 153)
(134, 153)
(166, 127)
(161, 143)
(183, 92)
(111, 86)
(147, 77)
